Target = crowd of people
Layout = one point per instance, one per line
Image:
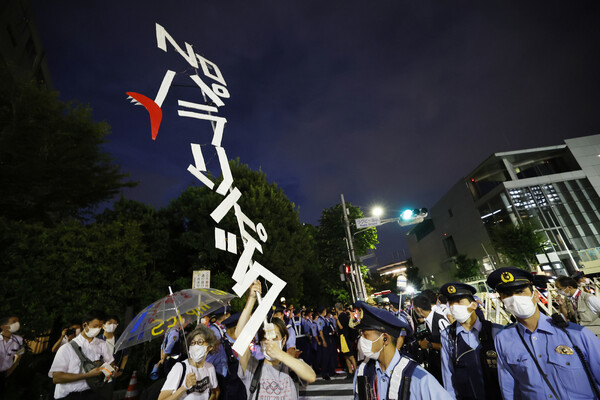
(437, 345)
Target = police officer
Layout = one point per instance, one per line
(327, 348)
(219, 358)
(541, 357)
(233, 388)
(468, 354)
(171, 347)
(301, 330)
(384, 373)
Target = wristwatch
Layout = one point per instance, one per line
(429, 345)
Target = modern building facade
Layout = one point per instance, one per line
(557, 188)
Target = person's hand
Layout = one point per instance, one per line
(64, 332)
(255, 287)
(298, 352)
(273, 350)
(560, 300)
(161, 361)
(423, 343)
(324, 344)
(190, 380)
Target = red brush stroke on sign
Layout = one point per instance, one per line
(153, 109)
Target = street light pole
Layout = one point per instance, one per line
(356, 275)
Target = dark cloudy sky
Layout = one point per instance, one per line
(388, 102)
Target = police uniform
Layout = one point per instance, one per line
(403, 378)
(469, 368)
(550, 362)
(232, 387)
(171, 346)
(302, 341)
(328, 354)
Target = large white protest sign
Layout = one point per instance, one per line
(214, 90)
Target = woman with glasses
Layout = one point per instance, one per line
(194, 378)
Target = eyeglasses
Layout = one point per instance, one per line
(200, 342)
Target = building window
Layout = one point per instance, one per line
(450, 213)
(449, 246)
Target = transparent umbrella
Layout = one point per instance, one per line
(154, 320)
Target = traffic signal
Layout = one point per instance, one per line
(345, 271)
(408, 215)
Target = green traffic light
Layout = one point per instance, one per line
(406, 215)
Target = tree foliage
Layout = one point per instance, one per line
(518, 243)
(333, 251)
(466, 267)
(52, 164)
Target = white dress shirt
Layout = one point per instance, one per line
(66, 360)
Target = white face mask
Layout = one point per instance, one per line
(268, 357)
(366, 346)
(520, 306)
(563, 293)
(14, 327)
(460, 312)
(587, 281)
(77, 331)
(110, 328)
(92, 332)
(197, 352)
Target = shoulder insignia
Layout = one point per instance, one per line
(562, 349)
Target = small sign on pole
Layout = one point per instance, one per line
(201, 279)
(401, 282)
(367, 222)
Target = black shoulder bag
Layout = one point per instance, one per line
(96, 383)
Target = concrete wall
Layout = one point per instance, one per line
(586, 150)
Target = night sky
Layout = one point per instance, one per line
(387, 102)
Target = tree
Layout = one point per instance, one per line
(413, 277)
(518, 243)
(52, 165)
(466, 267)
(333, 251)
(288, 251)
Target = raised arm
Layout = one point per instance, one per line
(244, 317)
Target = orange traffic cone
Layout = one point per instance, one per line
(132, 392)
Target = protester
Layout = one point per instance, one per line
(274, 372)
(11, 349)
(582, 308)
(468, 353)
(384, 368)
(66, 336)
(436, 323)
(346, 338)
(66, 370)
(108, 335)
(194, 378)
(542, 357)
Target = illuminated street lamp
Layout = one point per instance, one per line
(377, 211)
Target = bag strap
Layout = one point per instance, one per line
(80, 354)
(255, 383)
(183, 371)
(537, 365)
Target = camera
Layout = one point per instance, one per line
(70, 332)
(421, 332)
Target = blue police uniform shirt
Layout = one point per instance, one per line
(291, 342)
(423, 386)
(219, 359)
(518, 375)
(306, 326)
(471, 338)
(320, 323)
(170, 341)
(314, 329)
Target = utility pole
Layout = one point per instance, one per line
(356, 275)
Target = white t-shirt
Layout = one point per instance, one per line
(205, 375)
(275, 381)
(66, 360)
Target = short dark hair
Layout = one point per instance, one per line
(565, 281)
(92, 315)
(422, 301)
(430, 295)
(4, 320)
(112, 316)
(280, 326)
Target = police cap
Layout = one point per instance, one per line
(380, 320)
(509, 277)
(232, 320)
(457, 289)
(578, 275)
